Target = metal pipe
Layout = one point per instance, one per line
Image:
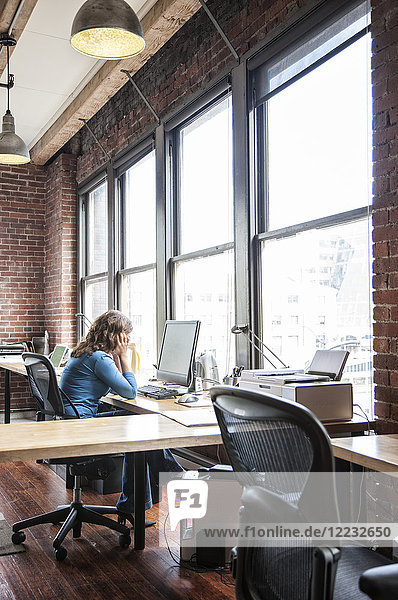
(220, 31)
(141, 94)
(13, 20)
(96, 139)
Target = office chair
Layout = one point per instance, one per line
(44, 387)
(271, 440)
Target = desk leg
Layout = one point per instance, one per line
(7, 395)
(139, 500)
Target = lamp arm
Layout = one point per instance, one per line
(259, 349)
(266, 347)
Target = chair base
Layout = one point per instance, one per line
(72, 517)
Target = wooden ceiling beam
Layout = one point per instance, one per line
(159, 25)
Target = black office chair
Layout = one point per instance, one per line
(265, 435)
(44, 387)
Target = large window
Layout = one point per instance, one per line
(313, 126)
(137, 278)
(203, 261)
(95, 255)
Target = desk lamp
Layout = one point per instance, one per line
(251, 336)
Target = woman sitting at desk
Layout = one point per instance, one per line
(98, 365)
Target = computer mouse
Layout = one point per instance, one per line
(187, 399)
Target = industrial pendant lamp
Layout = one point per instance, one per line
(107, 29)
(13, 150)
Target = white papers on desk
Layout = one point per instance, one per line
(192, 418)
(11, 358)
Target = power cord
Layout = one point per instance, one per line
(363, 414)
(190, 564)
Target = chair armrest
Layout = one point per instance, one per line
(380, 583)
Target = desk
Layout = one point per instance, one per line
(144, 405)
(376, 452)
(10, 366)
(75, 437)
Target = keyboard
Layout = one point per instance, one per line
(154, 391)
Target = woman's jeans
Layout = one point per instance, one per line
(157, 461)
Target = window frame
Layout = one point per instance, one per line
(83, 240)
(260, 144)
(133, 157)
(189, 115)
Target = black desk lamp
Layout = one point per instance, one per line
(251, 336)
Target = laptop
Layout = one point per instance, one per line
(326, 365)
(58, 355)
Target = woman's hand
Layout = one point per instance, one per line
(120, 352)
(121, 347)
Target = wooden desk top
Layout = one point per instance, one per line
(144, 405)
(80, 437)
(15, 365)
(376, 452)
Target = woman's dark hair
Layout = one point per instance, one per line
(103, 333)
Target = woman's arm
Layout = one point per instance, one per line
(123, 384)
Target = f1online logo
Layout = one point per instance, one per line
(187, 499)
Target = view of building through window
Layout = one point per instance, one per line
(204, 291)
(316, 296)
(316, 283)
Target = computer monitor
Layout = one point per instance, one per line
(177, 352)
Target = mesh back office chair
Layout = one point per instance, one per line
(44, 387)
(263, 434)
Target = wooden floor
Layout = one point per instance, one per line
(96, 567)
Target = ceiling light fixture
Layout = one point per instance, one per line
(107, 29)
(13, 150)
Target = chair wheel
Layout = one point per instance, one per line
(124, 540)
(18, 537)
(60, 553)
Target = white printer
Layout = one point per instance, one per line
(319, 388)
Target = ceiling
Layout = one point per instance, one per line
(54, 84)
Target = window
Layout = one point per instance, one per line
(203, 260)
(137, 278)
(313, 119)
(94, 281)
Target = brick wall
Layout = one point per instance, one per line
(22, 211)
(37, 259)
(60, 251)
(385, 213)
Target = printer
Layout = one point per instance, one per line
(318, 388)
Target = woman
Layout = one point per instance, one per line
(98, 365)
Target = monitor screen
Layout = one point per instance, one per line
(177, 352)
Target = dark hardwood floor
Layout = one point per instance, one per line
(96, 568)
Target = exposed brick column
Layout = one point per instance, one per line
(22, 208)
(61, 251)
(385, 213)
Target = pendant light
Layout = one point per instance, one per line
(107, 29)
(13, 150)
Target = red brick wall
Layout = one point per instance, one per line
(385, 213)
(22, 209)
(37, 259)
(61, 250)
